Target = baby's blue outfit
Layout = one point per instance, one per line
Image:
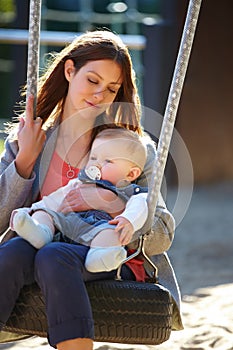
(82, 227)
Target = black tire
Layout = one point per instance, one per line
(124, 312)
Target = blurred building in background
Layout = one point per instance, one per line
(204, 118)
(74, 17)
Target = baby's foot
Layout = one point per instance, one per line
(36, 234)
(104, 259)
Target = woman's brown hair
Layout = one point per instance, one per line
(91, 46)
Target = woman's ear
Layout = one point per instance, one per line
(134, 173)
(69, 69)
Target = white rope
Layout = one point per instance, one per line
(171, 107)
(33, 49)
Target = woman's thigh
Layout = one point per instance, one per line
(59, 261)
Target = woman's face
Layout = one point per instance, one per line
(95, 84)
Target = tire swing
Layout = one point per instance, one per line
(124, 311)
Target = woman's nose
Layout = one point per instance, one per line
(100, 95)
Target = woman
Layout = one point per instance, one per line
(88, 85)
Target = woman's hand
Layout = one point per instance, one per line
(31, 139)
(124, 227)
(85, 197)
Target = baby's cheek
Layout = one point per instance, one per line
(111, 174)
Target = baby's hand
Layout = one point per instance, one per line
(125, 228)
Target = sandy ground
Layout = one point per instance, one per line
(202, 257)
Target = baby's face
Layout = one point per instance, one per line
(111, 157)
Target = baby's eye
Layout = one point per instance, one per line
(108, 161)
(92, 158)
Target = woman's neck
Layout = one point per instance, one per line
(75, 127)
(73, 142)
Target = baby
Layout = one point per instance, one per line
(116, 160)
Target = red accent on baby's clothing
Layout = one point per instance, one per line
(137, 267)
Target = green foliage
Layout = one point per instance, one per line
(1, 145)
(7, 12)
(7, 6)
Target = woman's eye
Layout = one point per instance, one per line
(108, 161)
(112, 91)
(92, 81)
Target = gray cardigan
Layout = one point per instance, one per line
(18, 192)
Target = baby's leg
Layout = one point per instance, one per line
(37, 229)
(105, 253)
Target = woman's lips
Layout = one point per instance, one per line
(92, 104)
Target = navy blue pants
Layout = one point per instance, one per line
(59, 270)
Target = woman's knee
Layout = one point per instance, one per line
(17, 252)
(58, 258)
(17, 261)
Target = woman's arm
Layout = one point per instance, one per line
(31, 138)
(53, 200)
(15, 190)
(87, 196)
(17, 163)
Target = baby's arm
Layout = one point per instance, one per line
(132, 218)
(136, 210)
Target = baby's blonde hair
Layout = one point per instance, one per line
(133, 143)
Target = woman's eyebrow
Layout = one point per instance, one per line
(92, 71)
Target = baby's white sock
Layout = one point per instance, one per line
(104, 258)
(36, 234)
